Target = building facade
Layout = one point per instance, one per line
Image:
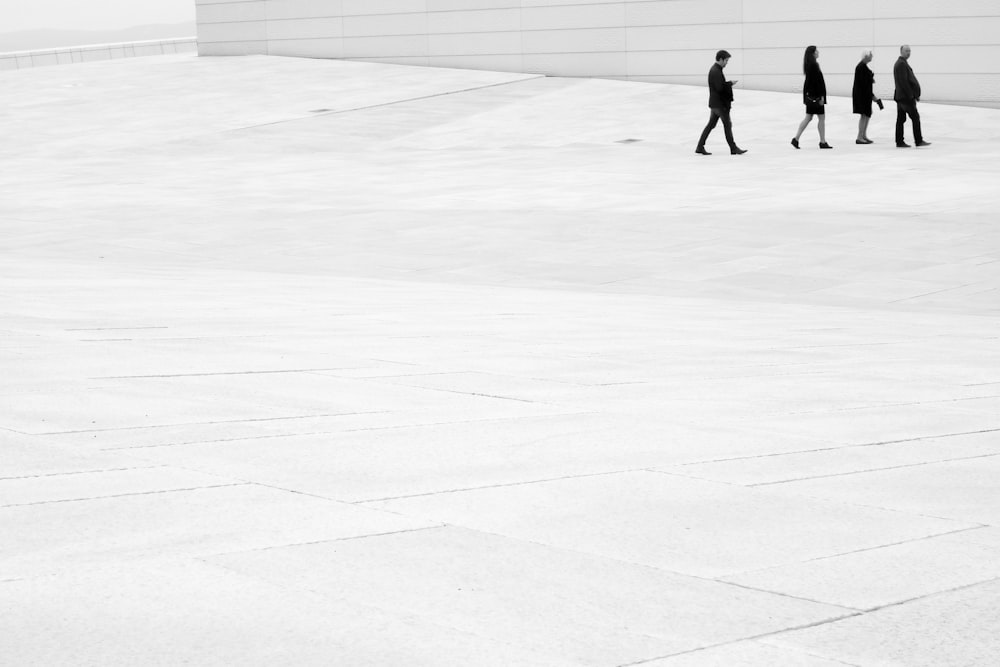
(956, 43)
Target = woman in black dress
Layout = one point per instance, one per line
(863, 94)
(813, 96)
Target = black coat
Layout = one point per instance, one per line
(815, 85)
(907, 86)
(864, 89)
(720, 91)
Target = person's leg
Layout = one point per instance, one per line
(802, 126)
(918, 135)
(864, 127)
(900, 121)
(727, 126)
(713, 120)
(822, 128)
(861, 127)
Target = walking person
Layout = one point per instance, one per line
(813, 96)
(907, 95)
(862, 95)
(720, 101)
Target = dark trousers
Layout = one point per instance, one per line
(727, 125)
(904, 109)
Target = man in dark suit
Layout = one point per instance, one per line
(907, 95)
(720, 101)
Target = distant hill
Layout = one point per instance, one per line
(49, 39)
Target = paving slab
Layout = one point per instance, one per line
(627, 369)
(190, 612)
(413, 460)
(952, 628)
(872, 578)
(679, 524)
(589, 609)
(56, 537)
(32, 456)
(834, 461)
(960, 490)
(102, 484)
(746, 654)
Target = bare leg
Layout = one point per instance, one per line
(822, 129)
(802, 126)
(864, 130)
(862, 127)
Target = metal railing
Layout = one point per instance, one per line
(68, 55)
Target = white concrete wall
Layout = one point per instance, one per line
(956, 43)
(91, 52)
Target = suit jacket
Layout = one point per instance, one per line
(720, 92)
(815, 85)
(907, 86)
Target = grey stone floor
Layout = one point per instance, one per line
(323, 363)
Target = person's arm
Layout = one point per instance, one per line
(718, 83)
(812, 87)
(902, 74)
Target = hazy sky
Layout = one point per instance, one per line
(18, 15)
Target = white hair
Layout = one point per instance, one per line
(866, 53)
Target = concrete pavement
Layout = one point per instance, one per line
(334, 363)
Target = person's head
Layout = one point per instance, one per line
(812, 53)
(866, 57)
(722, 57)
(904, 51)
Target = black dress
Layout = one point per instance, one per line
(814, 90)
(864, 89)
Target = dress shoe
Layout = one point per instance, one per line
(902, 144)
(701, 151)
(823, 144)
(923, 143)
(738, 151)
(860, 141)
(795, 142)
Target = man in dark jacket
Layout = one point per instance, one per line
(907, 95)
(720, 101)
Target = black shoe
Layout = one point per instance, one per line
(923, 143)
(860, 141)
(795, 142)
(738, 151)
(823, 144)
(701, 151)
(902, 144)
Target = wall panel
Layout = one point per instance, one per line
(480, 20)
(683, 12)
(307, 48)
(778, 11)
(566, 17)
(301, 9)
(902, 9)
(597, 40)
(956, 44)
(683, 37)
(305, 29)
(475, 44)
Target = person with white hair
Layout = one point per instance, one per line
(863, 94)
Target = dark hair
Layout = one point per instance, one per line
(809, 58)
(722, 55)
